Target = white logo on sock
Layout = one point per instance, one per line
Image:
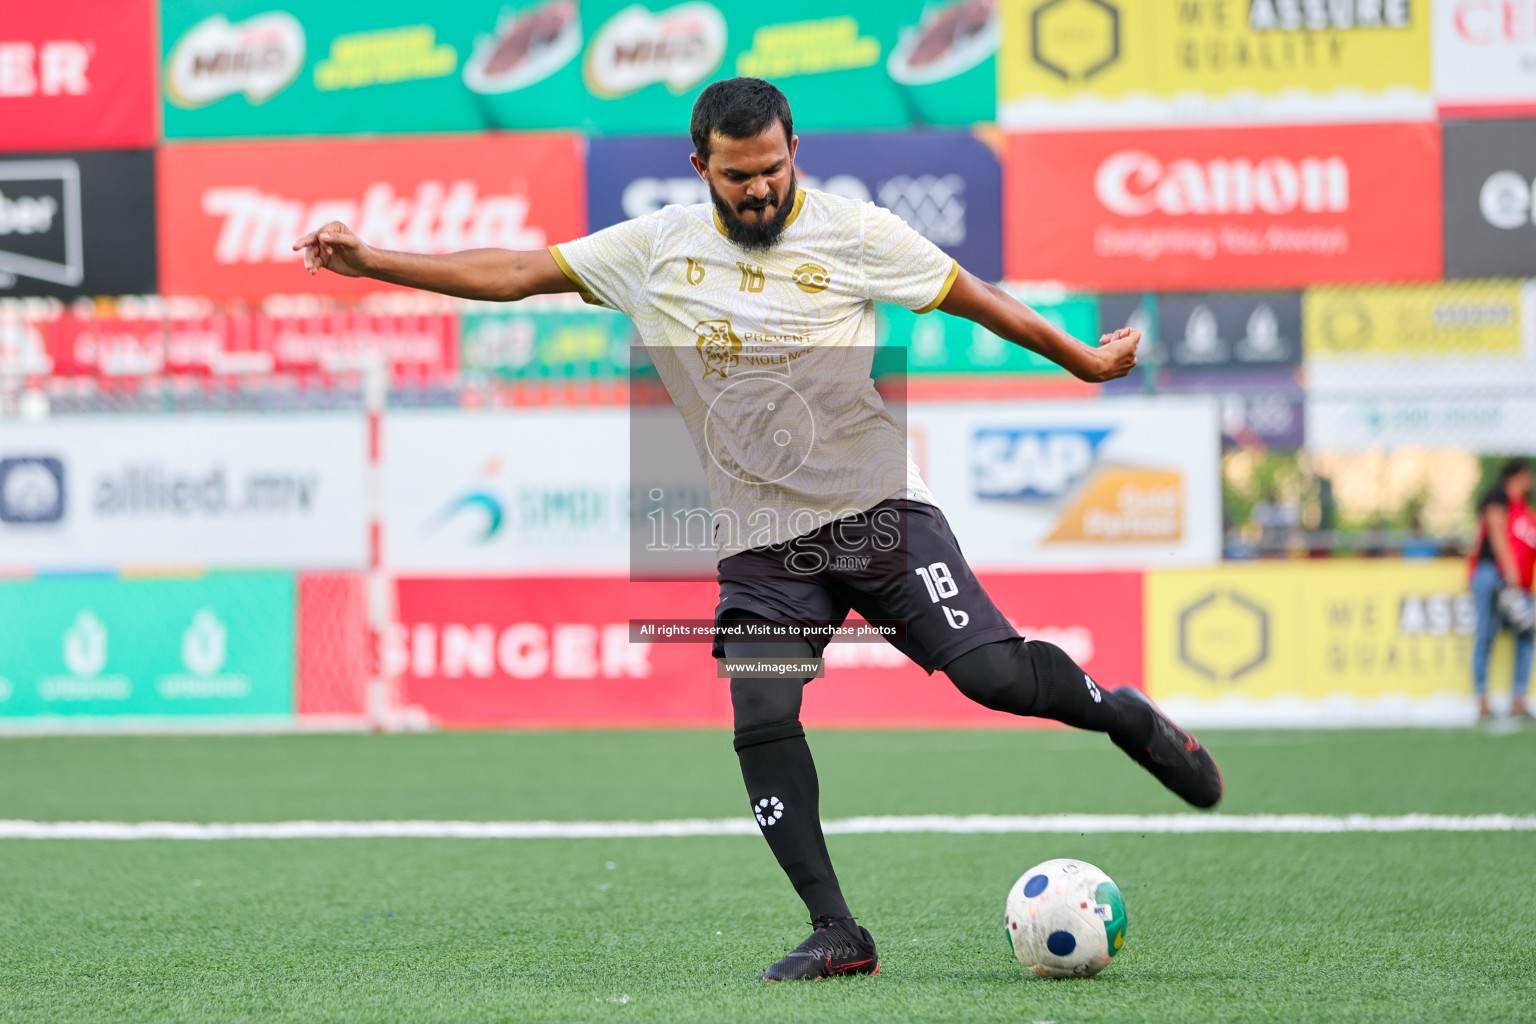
(769, 810)
(957, 618)
(1093, 688)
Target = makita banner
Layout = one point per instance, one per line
(947, 185)
(236, 209)
(1490, 197)
(558, 652)
(1485, 55)
(1191, 209)
(77, 74)
(77, 223)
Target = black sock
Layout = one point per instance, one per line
(1032, 677)
(781, 782)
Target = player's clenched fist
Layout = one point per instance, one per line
(1117, 353)
(335, 248)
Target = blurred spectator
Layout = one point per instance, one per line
(1503, 566)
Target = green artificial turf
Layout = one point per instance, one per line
(1352, 927)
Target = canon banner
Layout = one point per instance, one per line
(1490, 195)
(77, 74)
(97, 646)
(236, 209)
(77, 223)
(1191, 209)
(278, 67)
(550, 652)
(947, 185)
(218, 491)
(1485, 55)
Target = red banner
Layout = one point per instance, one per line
(216, 343)
(77, 74)
(556, 653)
(1273, 207)
(230, 212)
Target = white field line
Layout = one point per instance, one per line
(1082, 824)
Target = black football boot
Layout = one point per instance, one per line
(1173, 756)
(839, 945)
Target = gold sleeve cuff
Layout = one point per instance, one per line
(938, 300)
(581, 287)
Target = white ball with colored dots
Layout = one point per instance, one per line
(1065, 919)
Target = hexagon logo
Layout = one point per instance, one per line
(1075, 39)
(1224, 636)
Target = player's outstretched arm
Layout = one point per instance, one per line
(497, 275)
(1010, 319)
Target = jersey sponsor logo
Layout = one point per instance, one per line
(678, 47)
(811, 278)
(695, 272)
(718, 346)
(259, 57)
(957, 619)
(1032, 465)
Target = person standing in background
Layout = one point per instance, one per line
(1503, 566)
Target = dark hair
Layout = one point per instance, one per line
(1512, 469)
(738, 108)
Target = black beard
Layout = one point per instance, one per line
(764, 234)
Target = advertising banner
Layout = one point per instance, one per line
(1111, 482)
(77, 74)
(1311, 643)
(515, 492)
(1494, 420)
(235, 210)
(1193, 209)
(77, 223)
(558, 653)
(205, 341)
(952, 345)
(554, 337)
(1490, 194)
(1129, 62)
(275, 67)
(1484, 55)
(947, 185)
(98, 646)
(1461, 320)
(227, 490)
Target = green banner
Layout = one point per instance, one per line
(253, 68)
(939, 343)
(215, 645)
(530, 343)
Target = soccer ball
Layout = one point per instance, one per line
(1065, 919)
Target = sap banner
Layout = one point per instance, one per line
(1114, 482)
(216, 491)
(947, 185)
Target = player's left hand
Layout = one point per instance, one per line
(1117, 353)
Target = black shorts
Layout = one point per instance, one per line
(896, 561)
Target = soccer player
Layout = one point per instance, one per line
(749, 307)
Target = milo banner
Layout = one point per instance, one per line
(275, 67)
(1131, 62)
(100, 646)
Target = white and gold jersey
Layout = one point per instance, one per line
(767, 352)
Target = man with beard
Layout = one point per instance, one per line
(758, 314)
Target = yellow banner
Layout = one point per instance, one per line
(1464, 318)
(1310, 630)
(1117, 49)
